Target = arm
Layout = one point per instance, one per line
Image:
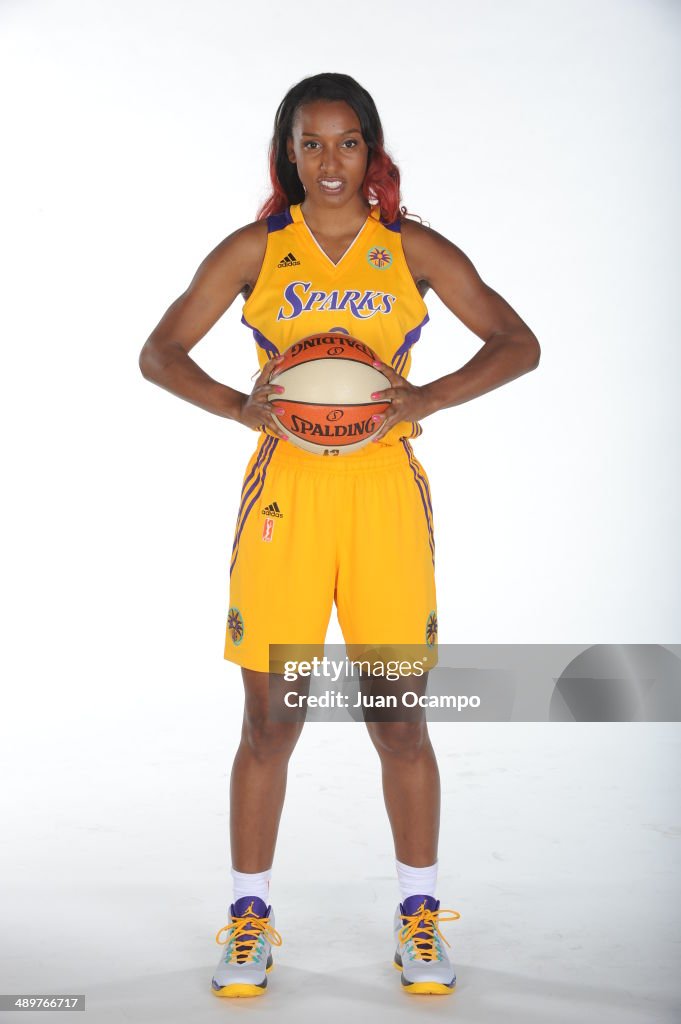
(510, 348)
(230, 269)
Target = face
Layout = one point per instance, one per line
(329, 152)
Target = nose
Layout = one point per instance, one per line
(328, 162)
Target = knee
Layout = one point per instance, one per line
(268, 741)
(406, 740)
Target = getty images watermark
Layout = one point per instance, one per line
(476, 682)
(381, 695)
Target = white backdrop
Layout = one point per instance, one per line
(540, 138)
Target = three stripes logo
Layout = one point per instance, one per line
(270, 512)
(289, 261)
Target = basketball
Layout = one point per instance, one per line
(329, 380)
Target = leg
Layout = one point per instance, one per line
(258, 780)
(411, 788)
(387, 603)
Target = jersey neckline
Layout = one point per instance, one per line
(299, 218)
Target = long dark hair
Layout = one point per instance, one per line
(382, 180)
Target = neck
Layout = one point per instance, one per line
(335, 220)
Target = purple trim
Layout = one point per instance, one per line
(410, 338)
(246, 492)
(261, 340)
(277, 221)
(394, 225)
(419, 470)
(259, 490)
(421, 484)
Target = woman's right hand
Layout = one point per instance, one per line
(256, 411)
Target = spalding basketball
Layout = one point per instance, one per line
(329, 380)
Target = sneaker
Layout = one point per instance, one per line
(420, 955)
(248, 942)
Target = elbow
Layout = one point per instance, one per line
(534, 353)
(147, 363)
(157, 357)
(537, 354)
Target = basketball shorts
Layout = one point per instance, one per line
(312, 530)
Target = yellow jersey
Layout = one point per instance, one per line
(369, 294)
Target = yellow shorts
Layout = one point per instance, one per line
(356, 529)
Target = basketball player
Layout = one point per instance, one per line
(332, 249)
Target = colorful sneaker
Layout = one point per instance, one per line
(248, 942)
(420, 955)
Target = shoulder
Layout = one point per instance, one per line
(426, 249)
(241, 254)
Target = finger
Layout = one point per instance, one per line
(387, 370)
(263, 374)
(385, 395)
(274, 430)
(275, 427)
(270, 424)
(264, 388)
(268, 409)
(385, 425)
(273, 362)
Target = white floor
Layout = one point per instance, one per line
(560, 848)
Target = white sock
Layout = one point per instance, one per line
(416, 881)
(257, 884)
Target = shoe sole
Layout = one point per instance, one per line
(424, 988)
(242, 990)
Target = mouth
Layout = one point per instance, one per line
(330, 185)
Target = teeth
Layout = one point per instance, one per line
(332, 184)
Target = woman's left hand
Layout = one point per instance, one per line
(407, 401)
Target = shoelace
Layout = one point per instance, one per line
(248, 928)
(426, 923)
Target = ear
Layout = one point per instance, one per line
(290, 152)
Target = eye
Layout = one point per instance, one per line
(310, 143)
(353, 143)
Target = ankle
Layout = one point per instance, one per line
(251, 884)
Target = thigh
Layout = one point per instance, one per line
(282, 569)
(386, 581)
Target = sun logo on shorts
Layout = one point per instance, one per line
(431, 629)
(235, 626)
(379, 257)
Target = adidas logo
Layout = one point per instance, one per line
(273, 510)
(289, 261)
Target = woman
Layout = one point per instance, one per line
(332, 250)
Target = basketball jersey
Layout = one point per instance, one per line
(369, 294)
